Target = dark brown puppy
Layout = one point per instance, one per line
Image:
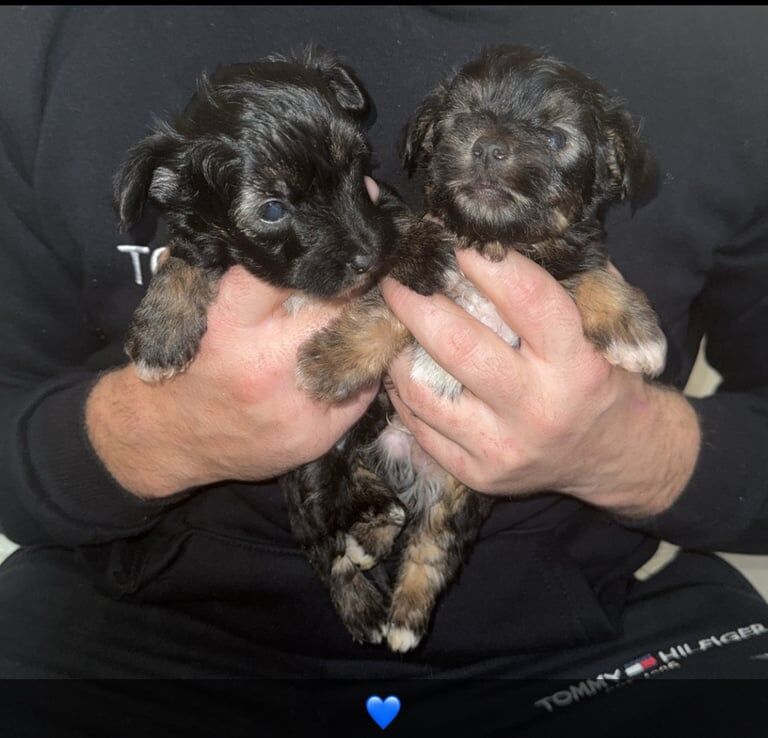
(517, 151)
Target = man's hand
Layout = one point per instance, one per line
(236, 413)
(551, 415)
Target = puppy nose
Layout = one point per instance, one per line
(361, 263)
(489, 146)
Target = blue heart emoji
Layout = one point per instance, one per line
(383, 712)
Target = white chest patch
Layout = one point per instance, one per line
(417, 478)
(424, 370)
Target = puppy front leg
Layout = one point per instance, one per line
(168, 325)
(431, 560)
(353, 351)
(425, 259)
(619, 320)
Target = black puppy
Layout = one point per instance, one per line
(264, 168)
(518, 151)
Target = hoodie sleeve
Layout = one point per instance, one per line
(725, 505)
(54, 486)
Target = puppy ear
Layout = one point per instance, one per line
(140, 175)
(416, 143)
(349, 91)
(633, 170)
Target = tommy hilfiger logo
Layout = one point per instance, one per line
(638, 666)
(136, 252)
(685, 650)
(663, 660)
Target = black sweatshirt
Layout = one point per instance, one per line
(80, 85)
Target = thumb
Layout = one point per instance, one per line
(243, 299)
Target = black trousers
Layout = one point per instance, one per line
(698, 619)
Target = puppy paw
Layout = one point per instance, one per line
(402, 639)
(620, 321)
(410, 609)
(151, 374)
(636, 342)
(644, 356)
(156, 355)
(359, 603)
(371, 539)
(329, 370)
(170, 321)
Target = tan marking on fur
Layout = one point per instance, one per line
(559, 221)
(602, 301)
(384, 535)
(619, 320)
(426, 552)
(169, 322)
(419, 582)
(493, 251)
(353, 351)
(378, 342)
(452, 498)
(361, 472)
(424, 570)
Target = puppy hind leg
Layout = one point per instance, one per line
(379, 518)
(619, 320)
(359, 603)
(431, 560)
(319, 505)
(168, 325)
(372, 536)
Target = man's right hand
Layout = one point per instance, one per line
(236, 413)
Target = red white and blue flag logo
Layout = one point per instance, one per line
(639, 666)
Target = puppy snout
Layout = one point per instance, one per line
(490, 149)
(361, 263)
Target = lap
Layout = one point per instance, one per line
(696, 619)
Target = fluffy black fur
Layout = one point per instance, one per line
(284, 130)
(517, 151)
(519, 147)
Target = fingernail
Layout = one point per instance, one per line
(372, 187)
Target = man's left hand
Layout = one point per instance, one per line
(550, 415)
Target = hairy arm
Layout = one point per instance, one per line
(235, 413)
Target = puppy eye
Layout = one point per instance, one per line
(556, 138)
(272, 211)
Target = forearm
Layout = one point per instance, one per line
(642, 453)
(135, 429)
(724, 505)
(235, 413)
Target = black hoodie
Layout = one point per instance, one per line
(80, 85)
